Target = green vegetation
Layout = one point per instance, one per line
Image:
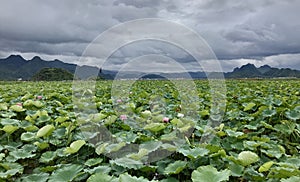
(52, 74)
(42, 139)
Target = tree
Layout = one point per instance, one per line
(52, 74)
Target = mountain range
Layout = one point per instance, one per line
(266, 71)
(15, 67)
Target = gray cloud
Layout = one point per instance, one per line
(237, 31)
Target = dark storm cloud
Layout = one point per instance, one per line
(272, 31)
(52, 21)
(237, 31)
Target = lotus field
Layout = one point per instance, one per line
(148, 134)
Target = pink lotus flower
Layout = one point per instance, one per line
(39, 97)
(166, 119)
(123, 117)
(19, 104)
(119, 100)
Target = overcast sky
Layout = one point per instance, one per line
(238, 31)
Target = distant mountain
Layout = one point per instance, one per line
(140, 75)
(250, 71)
(245, 71)
(263, 69)
(15, 67)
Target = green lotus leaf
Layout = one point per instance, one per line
(210, 174)
(74, 147)
(126, 178)
(99, 169)
(185, 128)
(115, 147)
(17, 108)
(291, 179)
(175, 167)
(9, 129)
(265, 167)
(177, 122)
(155, 127)
(98, 117)
(249, 106)
(21, 154)
(8, 114)
(28, 136)
(48, 157)
(11, 169)
(66, 173)
(146, 114)
(3, 107)
(110, 119)
(127, 163)
(101, 148)
(169, 136)
(138, 156)
(59, 133)
(151, 145)
(204, 113)
(13, 146)
(10, 122)
(41, 113)
(169, 147)
(132, 105)
(293, 162)
(44, 118)
(293, 115)
(28, 103)
(127, 137)
(93, 162)
(194, 153)
(101, 177)
(297, 108)
(277, 102)
(40, 177)
(268, 113)
(48, 169)
(37, 104)
(61, 119)
(287, 127)
(157, 118)
(33, 103)
(45, 131)
(235, 134)
(26, 96)
(266, 125)
(274, 151)
(41, 145)
(236, 169)
(247, 157)
(29, 148)
(170, 179)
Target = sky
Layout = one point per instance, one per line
(237, 32)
